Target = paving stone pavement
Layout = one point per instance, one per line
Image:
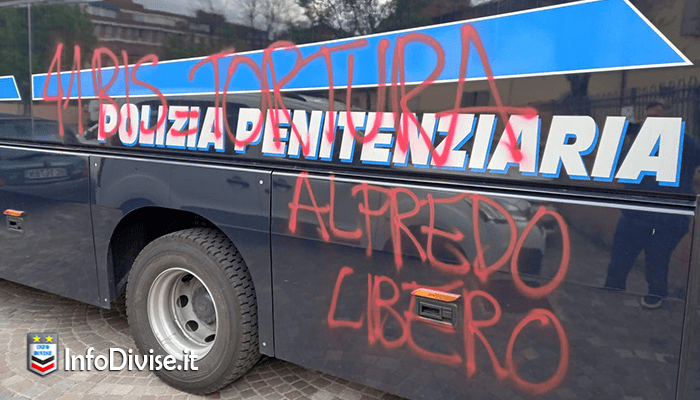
(81, 326)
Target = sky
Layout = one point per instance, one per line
(174, 6)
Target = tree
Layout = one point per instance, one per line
(54, 24)
(14, 57)
(251, 12)
(51, 24)
(355, 17)
(277, 15)
(404, 14)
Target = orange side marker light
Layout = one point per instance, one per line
(436, 295)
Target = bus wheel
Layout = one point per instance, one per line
(191, 307)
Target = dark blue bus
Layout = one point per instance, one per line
(439, 199)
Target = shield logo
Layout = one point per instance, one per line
(42, 353)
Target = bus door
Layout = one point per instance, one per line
(46, 241)
(433, 291)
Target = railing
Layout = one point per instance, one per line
(682, 98)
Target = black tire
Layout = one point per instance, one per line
(188, 261)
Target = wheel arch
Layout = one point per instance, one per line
(139, 227)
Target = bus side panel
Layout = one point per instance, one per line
(535, 306)
(120, 186)
(688, 379)
(236, 200)
(47, 244)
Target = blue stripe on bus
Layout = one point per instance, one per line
(605, 34)
(8, 88)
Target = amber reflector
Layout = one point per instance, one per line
(436, 295)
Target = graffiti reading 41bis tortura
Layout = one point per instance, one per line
(397, 137)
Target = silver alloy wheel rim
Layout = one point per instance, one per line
(182, 313)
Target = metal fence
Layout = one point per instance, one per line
(682, 98)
